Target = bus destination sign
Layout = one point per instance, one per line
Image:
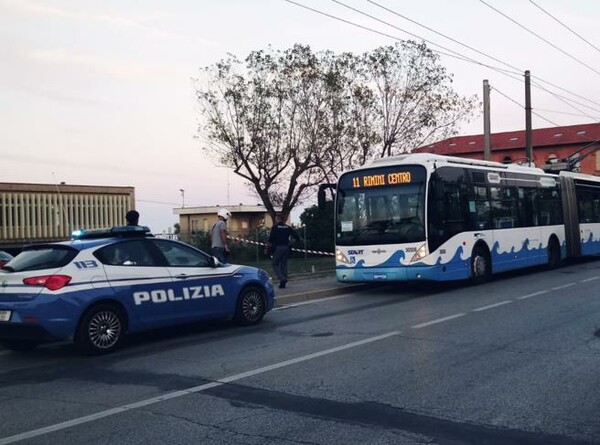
(381, 180)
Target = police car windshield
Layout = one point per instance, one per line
(42, 257)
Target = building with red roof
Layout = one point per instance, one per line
(553, 148)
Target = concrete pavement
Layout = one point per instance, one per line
(308, 287)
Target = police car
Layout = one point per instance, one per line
(102, 284)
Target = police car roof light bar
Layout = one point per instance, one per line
(121, 231)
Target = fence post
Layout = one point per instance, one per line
(304, 227)
(257, 246)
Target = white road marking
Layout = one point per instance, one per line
(302, 303)
(564, 286)
(485, 308)
(439, 320)
(535, 294)
(195, 389)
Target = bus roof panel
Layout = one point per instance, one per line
(426, 158)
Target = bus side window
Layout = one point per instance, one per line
(586, 207)
(549, 207)
(482, 214)
(479, 208)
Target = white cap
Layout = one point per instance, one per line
(224, 213)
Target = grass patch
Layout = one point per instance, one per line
(297, 264)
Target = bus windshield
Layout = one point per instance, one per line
(381, 211)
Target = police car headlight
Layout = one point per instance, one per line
(341, 258)
(421, 253)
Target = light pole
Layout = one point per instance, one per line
(182, 197)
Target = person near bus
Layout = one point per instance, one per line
(280, 241)
(218, 236)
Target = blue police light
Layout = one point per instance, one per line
(89, 233)
(123, 231)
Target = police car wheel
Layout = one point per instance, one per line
(19, 345)
(101, 329)
(251, 306)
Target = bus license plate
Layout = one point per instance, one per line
(5, 315)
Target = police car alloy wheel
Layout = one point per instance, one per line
(101, 329)
(251, 306)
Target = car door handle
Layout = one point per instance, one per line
(181, 276)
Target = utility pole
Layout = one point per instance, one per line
(528, 143)
(487, 146)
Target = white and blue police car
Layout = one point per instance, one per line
(102, 284)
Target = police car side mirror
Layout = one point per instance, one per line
(213, 261)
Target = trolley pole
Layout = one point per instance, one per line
(528, 142)
(487, 146)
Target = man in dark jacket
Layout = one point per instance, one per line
(132, 218)
(281, 238)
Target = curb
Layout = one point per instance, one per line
(315, 294)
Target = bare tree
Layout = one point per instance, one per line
(415, 101)
(289, 120)
(272, 119)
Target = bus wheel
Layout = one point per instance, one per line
(481, 266)
(553, 254)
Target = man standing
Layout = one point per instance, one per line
(281, 238)
(218, 236)
(132, 218)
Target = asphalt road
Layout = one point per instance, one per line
(514, 361)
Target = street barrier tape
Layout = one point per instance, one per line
(247, 241)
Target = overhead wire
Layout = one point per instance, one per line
(540, 37)
(569, 102)
(545, 110)
(558, 87)
(158, 202)
(511, 74)
(521, 106)
(564, 25)
(539, 79)
(452, 53)
(457, 54)
(442, 35)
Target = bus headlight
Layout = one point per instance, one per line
(421, 253)
(341, 258)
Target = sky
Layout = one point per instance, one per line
(101, 92)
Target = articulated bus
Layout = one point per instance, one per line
(430, 217)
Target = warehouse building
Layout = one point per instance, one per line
(50, 212)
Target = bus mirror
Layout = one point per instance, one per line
(321, 195)
(321, 198)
